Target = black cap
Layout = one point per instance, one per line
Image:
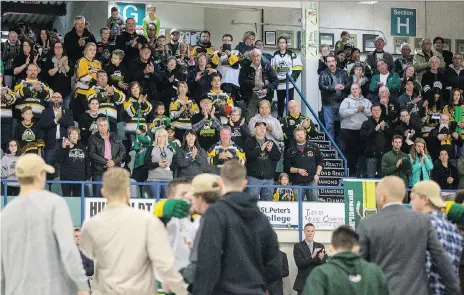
(409, 79)
(260, 123)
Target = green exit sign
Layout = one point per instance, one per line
(403, 22)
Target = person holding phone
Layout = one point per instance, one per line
(227, 61)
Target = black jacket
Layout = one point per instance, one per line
(124, 42)
(453, 80)
(75, 163)
(88, 265)
(305, 262)
(309, 159)
(261, 165)
(277, 287)
(116, 74)
(97, 152)
(88, 126)
(377, 142)
(200, 87)
(440, 174)
(246, 79)
(147, 81)
(327, 86)
(72, 47)
(435, 145)
(240, 133)
(48, 125)
(401, 130)
(59, 82)
(238, 251)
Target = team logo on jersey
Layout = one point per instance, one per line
(28, 135)
(310, 154)
(93, 128)
(291, 122)
(76, 154)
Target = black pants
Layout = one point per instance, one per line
(71, 190)
(353, 148)
(281, 101)
(78, 106)
(11, 191)
(6, 132)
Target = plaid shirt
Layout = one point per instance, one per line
(452, 242)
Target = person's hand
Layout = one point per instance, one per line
(450, 180)
(321, 255)
(406, 133)
(269, 145)
(380, 84)
(419, 98)
(138, 132)
(242, 121)
(171, 79)
(316, 178)
(211, 71)
(81, 42)
(442, 136)
(194, 152)
(165, 287)
(59, 114)
(269, 128)
(4, 91)
(382, 125)
(167, 163)
(263, 92)
(360, 108)
(306, 123)
(231, 123)
(64, 61)
(149, 69)
(110, 164)
(315, 252)
(198, 76)
(213, 111)
(399, 163)
(377, 128)
(205, 113)
(339, 87)
(28, 60)
(461, 124)
(455, 135)
(64, 143)
(135, 41)
(36, 86)
(302, 172)
(229, 155)
(143, 99)
(110, 90)
(122, 85)
(83, 293)
(422, 159)
(426, 103)
(264, 146)
(222, 156)
(35, 59)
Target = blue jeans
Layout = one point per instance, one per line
(97, 187)
(330, 116)
(261, 193)
(372, 167)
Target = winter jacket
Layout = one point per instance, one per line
(124, 42)
(393, 84)
(200, 87)
(401, 130)
(243, 257)
(421, 62)
(71, 44)
(242, 47)
(246, 79)
(97, 152)
(261, 164)
(418, 168)
(327, 82)
(441, 173)
(347, 273)
(290, 123)
(49, 124)
(153, 156)
(111, 21)
(390, 114)
(454, 78)
(371, 61)
(75, 162)
(187, 166)
(59, 82)
(275, 135)
(144, 142)
(352, 119)
(415, 109)
(148, 81)
(449, 144)
(8, 168)
(240, 133)
(377, 142)
(88, 126)
(431, 81)
(207, 129)
(388, 165)
(9, 54)
(401, 63)
(307, 159)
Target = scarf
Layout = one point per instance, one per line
(458, 118)
(56, 64)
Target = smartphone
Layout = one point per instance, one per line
(226, 47)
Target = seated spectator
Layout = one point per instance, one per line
(412, 102)
(137, 110)
(262, 157)
(11, 48)
(26, 57)
(204, 46)
(410, 72)
(373, 58)
(396, 162)
(401, 63)
(254, 90)
(105, 152)
(303, 161)
(433, 78)
(118, 76)
(200, 77)
(227, 61)
(74, 163)
(240, 131)
(438, 44)
(8, 98)
(8, 164)
(144, 71)
(334, 85)
(104, 47)
(170, 79)
(88, 120)
(455, 111)
(391, 80)
(28, 134)
(86, 77)
(445, 137)
(109, 99)
(273, 128)
(115, 19)
(284, 193)
(222, 102)
(31, 92)
(354, 110)
(454, 74)
(247, 42)
(158, 161)
(432, 110)
(191, 158)
(181, 110)
(225, 150)
(324, 52)
(340, 44)
(59, 71)
(389, 109)
(206, 124)
(408, 130)
(151, 19)
(285, 62)
(421, 162)
(55, 122)
(160, 120)
(76, 39)
(445, 173)
(376, 133)
(140, 145)
(359, 78)
(130, 41)
(295, 119)
(421, 58)
(172, 140)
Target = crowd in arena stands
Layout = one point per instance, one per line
(186, 110)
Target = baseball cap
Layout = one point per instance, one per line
(175, 30)
(260, 123)
(430, 189)
(205, 183)
(379, 38)
(32, 165)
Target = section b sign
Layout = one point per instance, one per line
(403, 22)
(132, 10)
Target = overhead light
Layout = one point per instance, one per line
(367, 2)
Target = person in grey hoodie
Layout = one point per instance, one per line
(8, 167)
(191, 159)
(354, 110)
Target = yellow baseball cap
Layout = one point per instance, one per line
(30, 165)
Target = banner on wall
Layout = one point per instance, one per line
(281, 214)
(94, 206)
(359, 200)
(324, 216)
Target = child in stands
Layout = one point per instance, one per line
(284, 193)
(160, 120)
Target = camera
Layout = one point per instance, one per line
(226, 47)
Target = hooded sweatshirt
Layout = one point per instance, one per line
(238, 252)
(8, 168)
(345, 274)
(352, 119)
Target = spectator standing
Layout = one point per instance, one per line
(191, 158)
(438, 44)
(227, 62)
(160, 120)
(140, 172)
(324, 52)
(262, 157)
(118, 75)
(151, 18)
(225, 150)
(129, 41)
(454, 74)
(251, 245)
(389, 109)
(412, 102)
(204, 46)
(76, 39)
(304, 163)
(386, 78)
(410, 73)
(8, 163)
(346, 272)
(74, 162)
(284, 193)
(240, 131)
(358, 77)
(376, 133)
(421, 162)
(295, 119)
(259, 44)
(114, 19)
(104, 47)
(408, 229)
(59, 72)
(137, 110)
(277, 287)
(373, 57)
(206, 124)
(87, 263)
(334, 85)
(121, 227)
(395, 162)
(340, 44)
(43, 46)
(173, 46)
(144, 71)
(200, 77)
(308, 254)
(40, 222)
(105, 152)
(354, 110)
(408, 130)
(401, 63)
(222, 102)
(170, 79)
(182, 110)
(28, 134)
(8, 98)
(444, 172)
(88, 120)
(461, 172)
(433, 79)
(247, 42)
(455, 111)
(11, 48)
(444, 136)
(273, 127)
(23, 59)
(421, 58)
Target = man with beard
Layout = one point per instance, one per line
(205, 45)
(129, 41)
(173, 46)
(144, 71)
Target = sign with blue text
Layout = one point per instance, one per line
(403, 22)
(132, 10)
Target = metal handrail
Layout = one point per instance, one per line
(303, 99)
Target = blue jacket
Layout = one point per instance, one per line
(416, 168)
(48, 125)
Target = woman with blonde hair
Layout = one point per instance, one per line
(421, 162)
(247, 42)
